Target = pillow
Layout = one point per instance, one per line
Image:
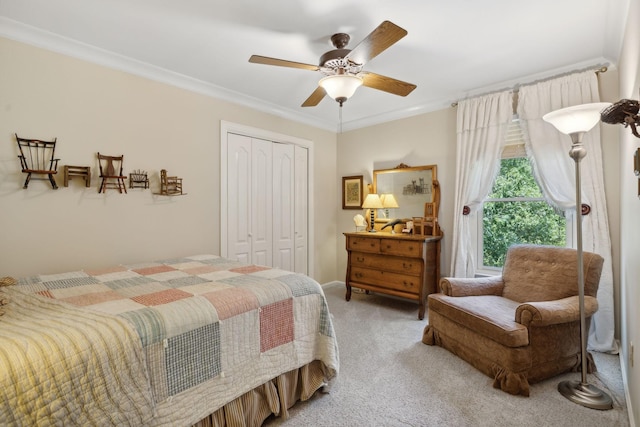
(5, 281)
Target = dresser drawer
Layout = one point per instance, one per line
(409, 248)
(363, 244)
(385, 279)
(386, 262)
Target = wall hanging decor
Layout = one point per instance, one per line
(38, 157)
(138, 179)
(111, 173)
(170, 185)
(84, 172)
(352, 192)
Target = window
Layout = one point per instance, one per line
(515, 210)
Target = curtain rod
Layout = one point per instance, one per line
(602, 69)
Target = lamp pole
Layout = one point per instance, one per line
(576, 121)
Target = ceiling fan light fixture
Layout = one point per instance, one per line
(340, 86)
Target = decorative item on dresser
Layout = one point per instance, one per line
(406, 266)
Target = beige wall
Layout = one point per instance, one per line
(427, 139)
(91, 108)
(629, 215)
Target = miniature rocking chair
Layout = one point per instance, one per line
(170, 185)
(111, 179)
(37, 157)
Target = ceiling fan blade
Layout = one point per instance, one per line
(315, 98)
(387, 84)
(257, 59)
(375, 43)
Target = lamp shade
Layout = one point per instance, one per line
(372, 202)
(578, 118)
(389, 201)
(340, 85)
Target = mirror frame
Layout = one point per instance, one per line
(402, 168)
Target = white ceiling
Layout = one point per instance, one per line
(454, 48)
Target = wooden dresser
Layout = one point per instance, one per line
(406, 266)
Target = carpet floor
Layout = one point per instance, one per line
(389, 378)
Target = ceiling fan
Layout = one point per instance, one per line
(343, 67)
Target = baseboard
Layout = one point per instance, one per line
(623, 371)
(332, 284)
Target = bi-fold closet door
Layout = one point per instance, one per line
(266, 202)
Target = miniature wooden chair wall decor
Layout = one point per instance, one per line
(139, 179)
(38, 157)
(111, 173)
(83, 172)
(170, 185)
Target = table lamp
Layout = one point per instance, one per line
(372, 202)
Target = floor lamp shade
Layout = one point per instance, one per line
(579, 118)
(372, 202)
(576, 121)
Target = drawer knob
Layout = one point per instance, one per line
(360, 259)
(358, 275)
(406, 266)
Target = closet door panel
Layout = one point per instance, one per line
(301, 210)
(262, 198)
(239, 204)
(283, 206)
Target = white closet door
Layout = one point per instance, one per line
(301, 210)
(265, 198)
(262, 198)
(239, 198)
(283, 205)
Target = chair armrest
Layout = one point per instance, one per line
(544, 313)
(462, 287)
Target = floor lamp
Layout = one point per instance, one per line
(576, 121)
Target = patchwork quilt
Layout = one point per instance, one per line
(209, 329)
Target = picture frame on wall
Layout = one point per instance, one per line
(352, 193)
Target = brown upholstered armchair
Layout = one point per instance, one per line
(520, 327)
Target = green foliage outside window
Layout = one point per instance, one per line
(517, 213)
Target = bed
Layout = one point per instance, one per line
(198, 340)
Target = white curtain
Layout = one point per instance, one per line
(481, 128)
(555, 173)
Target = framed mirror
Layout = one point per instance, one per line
(411, 188)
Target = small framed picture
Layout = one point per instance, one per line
(352, 192)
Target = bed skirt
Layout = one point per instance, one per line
(273, 397)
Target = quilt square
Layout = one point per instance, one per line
(162, 297)
(248, 269)
(93, 298)
(192, 358)
(147, 271)
(102, 271)
(276, 324)
(202, 269)
(70, 282)
(181, 282)
(300, 285)
(232, 301)
(128, 282)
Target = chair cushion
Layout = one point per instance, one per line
(547, 273)
(488, 315)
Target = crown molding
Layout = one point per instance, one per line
(47, 40)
